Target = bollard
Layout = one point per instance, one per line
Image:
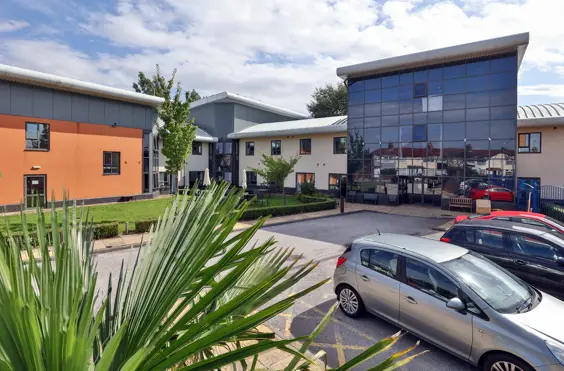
(342, 204)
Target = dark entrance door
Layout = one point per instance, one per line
(35, 186)
(403, 193)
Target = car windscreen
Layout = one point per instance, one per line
(500, 289)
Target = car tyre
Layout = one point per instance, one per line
(505, 362)
(350, 302)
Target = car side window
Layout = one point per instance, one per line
(462, 235)
(381, 261)
(502, 218)
(535, 223)
(489, 238)
(532, 246)
(429, 280)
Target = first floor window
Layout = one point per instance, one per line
(530, 143)
(250, 148)
(335, 181)
(111, 163)
(276, 147)
(340, 145)
(196, 148)
(37, 136)
(305, 146)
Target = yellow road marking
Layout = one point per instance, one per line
(339, 348)
(334, 346)
(287, 326)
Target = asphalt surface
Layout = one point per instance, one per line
(323, 240)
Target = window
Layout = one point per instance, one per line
(196, 148)
(340, 145)
(301, 178)
(429, 280)
(420, 133)
(37, 136)
(383, 262)
(489, 238)
(530, 143)
(420, 90)
(111, 163)
(335, 181)
(251, 178)
(305, 146)
(276, 147)
(462, 235)
(194, 176)
(533, 222)
(250, 148)
(532, 246)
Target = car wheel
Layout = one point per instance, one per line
(505, 362)
(350, 302)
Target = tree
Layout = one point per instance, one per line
(176, 132)
(276, 170)
(329, 101)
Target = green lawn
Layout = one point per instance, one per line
(130, 212)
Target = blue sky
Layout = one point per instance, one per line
(277, 51)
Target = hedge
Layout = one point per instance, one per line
(256, 213)
(318, 197)
(100, 231)
(143, 226)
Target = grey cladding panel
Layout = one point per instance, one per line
(112, 113)
(62, 104)
(139, 116)
(21, 102)
(125, 115)
(96, 111)
(5, 97)
(150, 118)
(43, 103)
(79, 108)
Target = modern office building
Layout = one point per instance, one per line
(419, 125)
(56, 133)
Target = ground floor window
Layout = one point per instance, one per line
(301, 178)
(35, 186)
(111, 163)
(335, 181)
(530, 143)
(194, 176)
(251, 178)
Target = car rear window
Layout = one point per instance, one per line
(489, 238)
(464, 235)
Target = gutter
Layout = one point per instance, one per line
(286, 132)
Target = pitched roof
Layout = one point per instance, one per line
(203, 136)
(335, 124)
(30, 77)
(226, 97)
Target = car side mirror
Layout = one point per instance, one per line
(456, 304)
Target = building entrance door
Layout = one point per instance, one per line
(34, 193)
(403, 192)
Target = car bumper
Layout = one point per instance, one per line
(557, 367)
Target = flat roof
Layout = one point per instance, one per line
(30, 77)
(512, 43)
(334, 124)
(226, 97)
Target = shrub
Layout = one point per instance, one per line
(143, 226)
(317, 205)
(307, 188)
(318, 197)
(106, 230)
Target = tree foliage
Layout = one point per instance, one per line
(276, 169)
(328, 101)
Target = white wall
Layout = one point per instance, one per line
(544, 165)
(193, 162)
(321, 162)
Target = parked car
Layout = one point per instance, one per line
(464, 186)
(523, 217)
(491, 192)
(454, 298)
(532, 253)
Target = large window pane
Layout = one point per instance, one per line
(477, 149)
(453, 131)
(435, 117)
(392, 80)
(435, 103)
(390, 134)
(434, 149)
(355, 123)
(406, 78)
(503, 129)
(477, 83)
(503, 97)
(435, 74)
(454, 116)
(504, 64)
(406, 119)
(372, 122)
(478, 130)
(456, 101)
(390, 108)
(478, 68)
(505, 146)
(475, 100)
(355, 86)
(420, 105)
(372, 135)
(454, 86)
(373, 83)
(420, 76)
(505, 112)
(372, 109)
(390, 94)
(356, 111)
(419, 133)
(406, 92)
(435, 88)
(372, 96)
(477, 114)
(504, 80)
(356, 98)
(452, 72)
(406, 106)
(390, 120)
(406, 133)
(434, 132)
(419, 118)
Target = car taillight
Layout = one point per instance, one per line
(341, 261)
(445, 239)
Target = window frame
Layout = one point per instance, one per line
(247, 152)
(371, 249)
(249, 181)
(459, 292)
(338, 140)
(111, 165)
(302, 149)
(531, 257)
(339, 178)
(415, 95)
(490, 247)
(277, 148)
(200, 146)
(37, 124)
(528, 146)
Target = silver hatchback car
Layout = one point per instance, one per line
(454, 299)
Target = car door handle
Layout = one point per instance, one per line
(519, 262)
(365, 278)
(410, 300)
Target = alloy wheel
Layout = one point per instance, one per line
(505, 366)
(348, 301)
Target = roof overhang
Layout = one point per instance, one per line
(226, 97)
(206, 139)
(23, 76)
(286, 132)
(540, 122)
(507, 44)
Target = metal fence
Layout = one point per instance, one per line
(552, 201)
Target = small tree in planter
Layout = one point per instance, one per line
(276, 170)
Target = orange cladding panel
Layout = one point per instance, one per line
(74, 161)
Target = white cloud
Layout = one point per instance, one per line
(555, 91)
(213, 42)
(12, 25)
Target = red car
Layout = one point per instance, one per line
(539, 220)
(491, 192)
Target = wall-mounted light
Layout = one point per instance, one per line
(114, 124)
(35, 167)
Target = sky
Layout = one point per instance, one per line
(276, 51)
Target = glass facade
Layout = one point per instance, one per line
(418, 135)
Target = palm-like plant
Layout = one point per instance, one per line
(192, 300)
